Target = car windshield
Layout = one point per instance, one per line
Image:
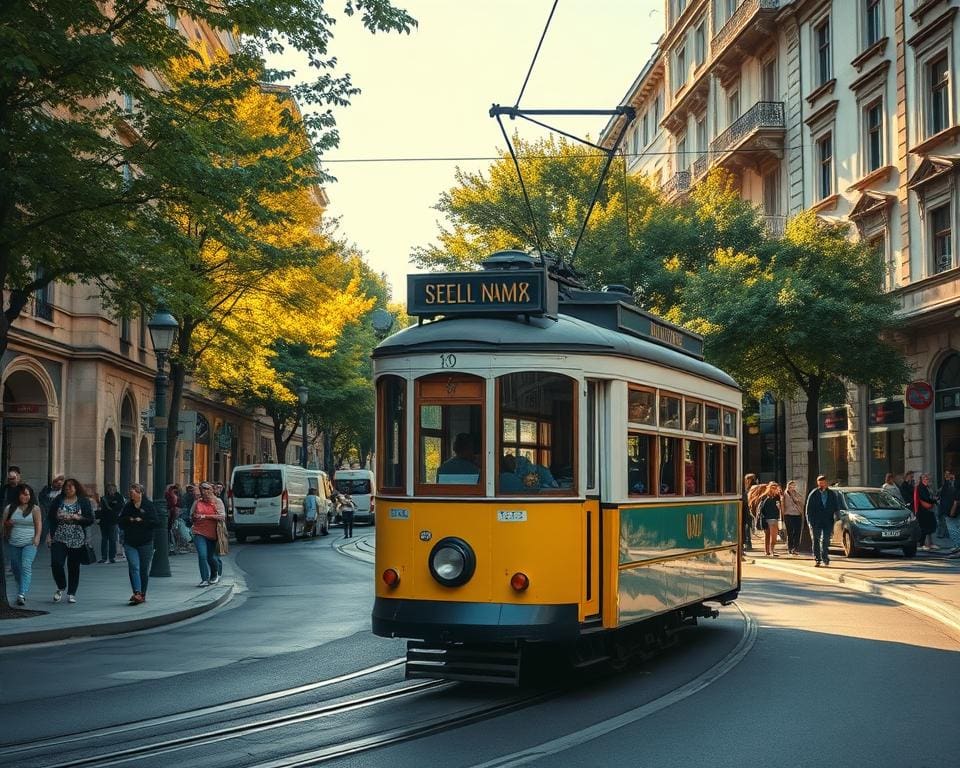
(871, 500)
(257, 484)
(352, 486)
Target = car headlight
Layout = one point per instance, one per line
(452, 562)
(854, 518)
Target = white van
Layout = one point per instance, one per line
(317, 478)
(267, 499)
(359, 483)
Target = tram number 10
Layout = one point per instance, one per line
(448, 361)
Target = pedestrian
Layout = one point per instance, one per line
(139, 518)
(107, 514)
(206, 514)
(749, 481)
(953, 526)
(945, 498)
(70, 514)
(311, 511)
(172, 498)
(347, 509)
(891, 487)
(10, 493)
(47, 494)
(906, 491)
(821, 509)
(792, 507)
(22, 526)
(926, 510)
(769, 511)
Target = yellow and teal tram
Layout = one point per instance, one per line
(555, 466)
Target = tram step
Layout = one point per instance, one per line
(474, 663)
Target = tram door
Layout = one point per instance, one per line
(593, 528)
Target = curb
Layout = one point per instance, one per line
(938, 610)
(32, 637)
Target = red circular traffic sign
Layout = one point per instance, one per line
(919, 395)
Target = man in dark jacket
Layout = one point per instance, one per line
(906, 490)
(945, 499)
(110, 505)
(10, 489)
(823, 505)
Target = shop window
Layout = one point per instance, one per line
(670, 465)
(692, 468)
(450, 431)
(833, 446)
(537, 433)
(393, 432)
(640, 462)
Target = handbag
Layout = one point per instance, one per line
(88, 555)
(223, 541)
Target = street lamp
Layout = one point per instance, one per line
(163, 327)
(303, 394)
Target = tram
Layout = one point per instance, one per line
(558, 468)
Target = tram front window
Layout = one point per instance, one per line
(537, 433)
(450, 444)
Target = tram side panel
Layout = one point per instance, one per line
(675, 555)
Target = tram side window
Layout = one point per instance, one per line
(639, 464)
(537, 433)
(729, 423)
(713, 420)
(670, 412)
(730, 474)
(642, 407)
(450, 431)
(670, 465)
(393, 431)
(693, 468)
(711, 468)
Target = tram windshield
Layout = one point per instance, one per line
(450, 427)
(536, 436)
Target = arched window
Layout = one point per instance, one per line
(948, 384)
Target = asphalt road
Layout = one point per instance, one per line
(810, 674)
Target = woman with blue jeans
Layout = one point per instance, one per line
(138, 519)
(22, 523)
(206, 514)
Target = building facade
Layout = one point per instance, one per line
(847, 108)
(78, 387)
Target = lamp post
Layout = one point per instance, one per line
(303, 394)
(163, 327)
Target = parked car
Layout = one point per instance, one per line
(870, 518)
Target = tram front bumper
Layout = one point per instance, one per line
(456, 622)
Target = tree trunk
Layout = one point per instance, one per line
(812, 414)
(178, 377)
(280, 441)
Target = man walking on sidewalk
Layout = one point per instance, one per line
(822, 507)
(951, 515)
(945, 499)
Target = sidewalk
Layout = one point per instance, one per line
(101, 607)
(928, 583)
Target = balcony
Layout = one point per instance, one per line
(745, 32)
(700, 165)
(676, 185)
(754, 137)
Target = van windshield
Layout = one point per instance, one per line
(355, 485)
(257, 483)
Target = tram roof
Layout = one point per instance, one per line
(538, 334)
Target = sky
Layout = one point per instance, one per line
(428, 94)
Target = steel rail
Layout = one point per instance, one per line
(124, 728)
(156, 749)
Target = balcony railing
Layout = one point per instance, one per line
(763, 114)
(700, 165)
(739, 20)
(42, 309)
(679, 182)
(775, 226)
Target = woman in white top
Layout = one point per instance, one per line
(22, 523)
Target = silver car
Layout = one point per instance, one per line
(871, 518)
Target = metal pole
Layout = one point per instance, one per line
(304, 456)
(161, 558)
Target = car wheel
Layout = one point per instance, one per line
(241, 538)
(910, 550)
(291, 535)
(848, 548)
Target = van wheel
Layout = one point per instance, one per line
(241, 538)
(292, 533)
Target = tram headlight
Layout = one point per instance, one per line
(452, 562)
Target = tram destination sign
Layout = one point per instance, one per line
(645, 325)
(473, 293)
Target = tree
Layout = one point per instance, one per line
(486, 213)
(73, 97)
(797, 316)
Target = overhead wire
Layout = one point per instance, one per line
(478, 158)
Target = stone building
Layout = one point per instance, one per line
(847, 108)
